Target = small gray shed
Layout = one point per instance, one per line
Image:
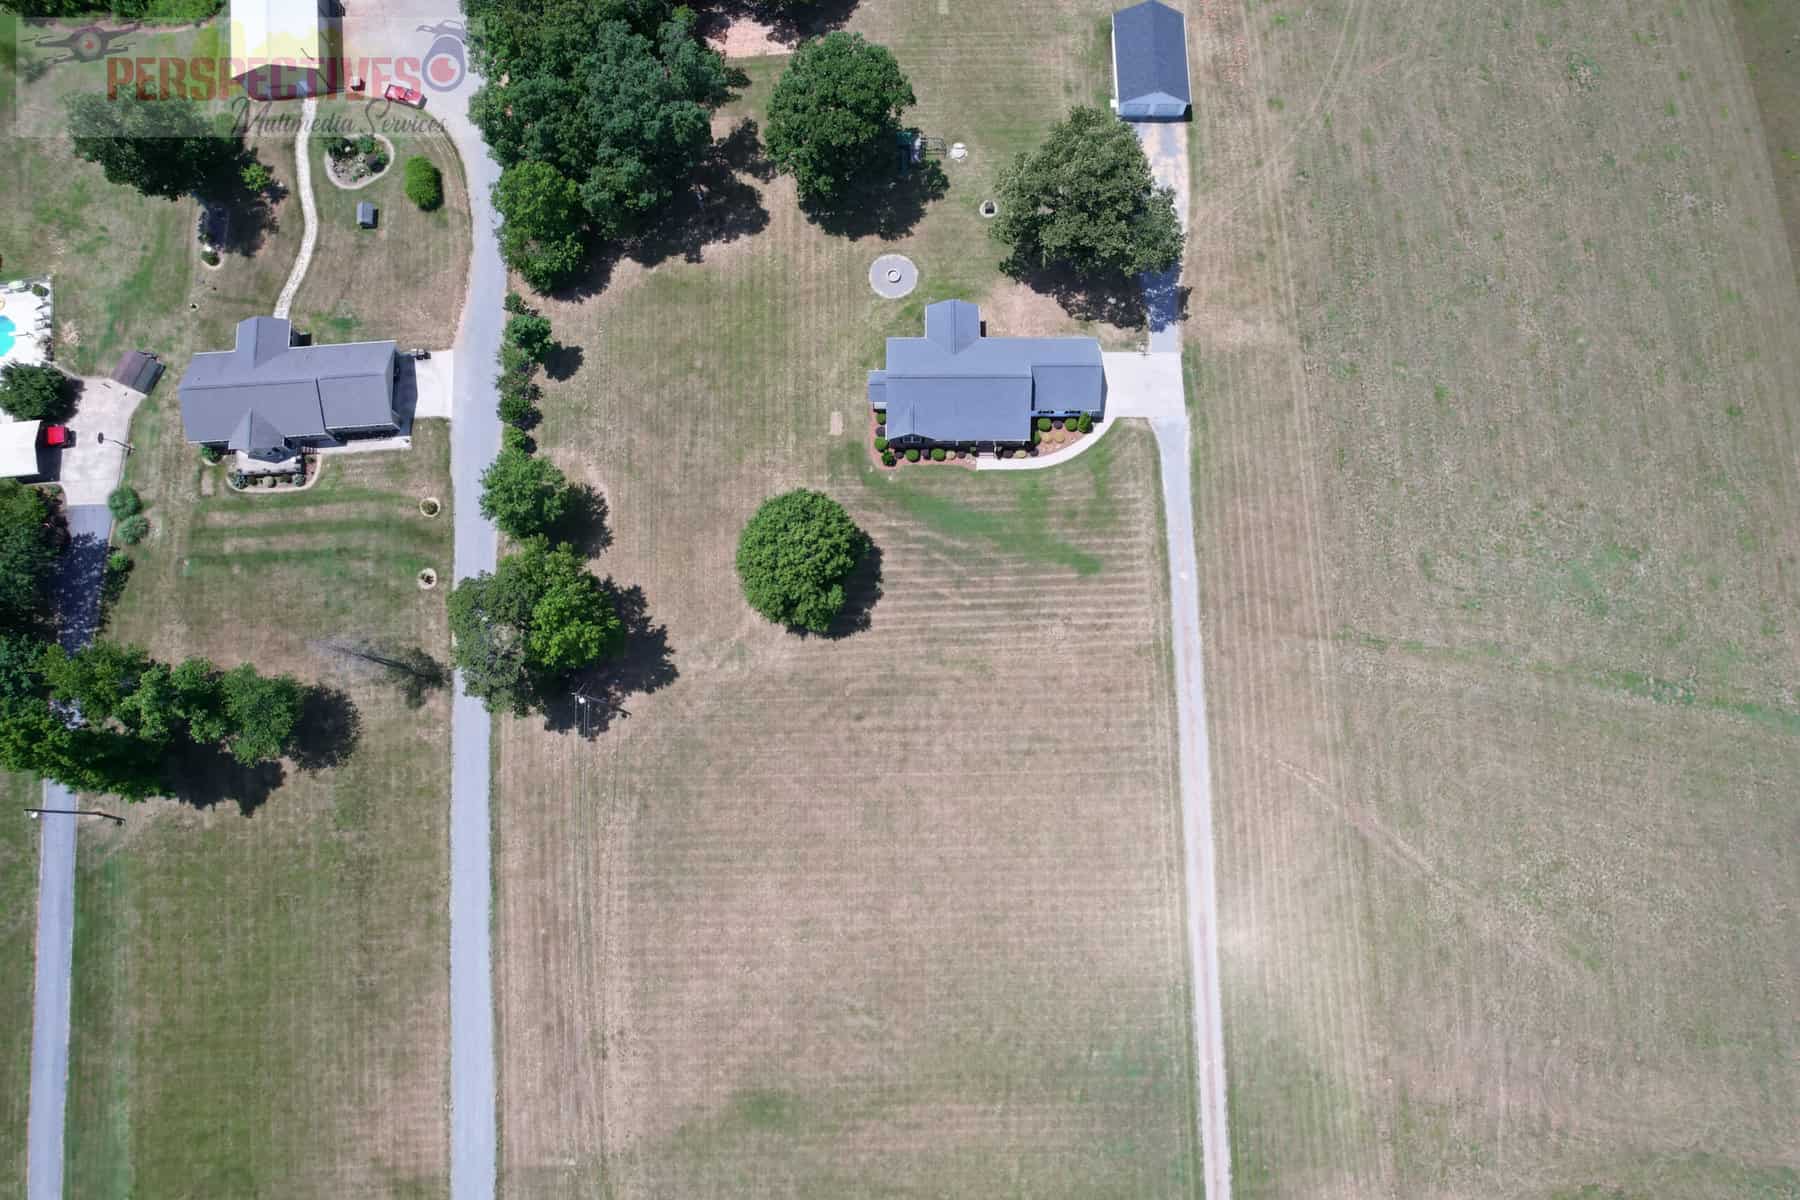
(367, 214)
(1150, 67)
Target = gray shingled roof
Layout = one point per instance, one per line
(291, 391)
(1150, 52)
(953, 385)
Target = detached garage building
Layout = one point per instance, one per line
(1150, 67)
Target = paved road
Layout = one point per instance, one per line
(79, 573)
(1150, 385)
(474, 441)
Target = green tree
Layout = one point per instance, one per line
(522, 494)
(162, 147)
(835, 116)
(424, 182)
(97, 679)
(1086, 200)
(530, 335)
(794, 556)
(622, 113)
(540, 223)
(29, 392)
(256, 176)
(262, 712)
(539, 615)
(27, 554)
(199, 701)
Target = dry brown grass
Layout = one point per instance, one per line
(405, 278)
(893, 911)
(1496, 469)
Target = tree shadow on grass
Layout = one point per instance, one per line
(328, 731)
(887, 208)
(861, 590)
(1117, 300)
(719, 206)
(646, 664)
(789, 23)
(583, 525)
(206, 776)
(237, 220)
(562, 361)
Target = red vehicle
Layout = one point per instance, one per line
(404, 95)
(57, 435)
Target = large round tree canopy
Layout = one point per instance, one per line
(794, 556)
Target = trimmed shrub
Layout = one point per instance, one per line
(1085, 424)
(124, 502)
(39, 290)
(881, 416)
(134, 529)
(209, 454)
(887, 458)
(1043, 424)
(515, 303)
(912, 455)
(424, 182)
(366, 144)
(880, 443)
(236, 479)
(937, 454)
(118, 562)
(952, 453)
(268, 481)
(516, 409)
(1021, 454)
(1036, 437)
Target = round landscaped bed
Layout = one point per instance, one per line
(351, 168)
(430, 507)
(427, 579)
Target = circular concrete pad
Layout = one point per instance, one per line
(893, 276)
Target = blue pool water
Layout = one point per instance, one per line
(6, 334)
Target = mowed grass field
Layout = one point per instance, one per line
(261, 974)
(405, 278)
(892, 912)
(18, 936)
(1492, 357)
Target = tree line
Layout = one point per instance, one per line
(109, 718)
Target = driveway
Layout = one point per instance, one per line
(424, 32)
(79, 572)
(90, 468)
(1166, 146)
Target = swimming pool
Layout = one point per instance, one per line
(6, 335)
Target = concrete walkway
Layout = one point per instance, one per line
(80, 572)
(309, 112)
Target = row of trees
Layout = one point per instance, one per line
(107, 718)
(541, 614)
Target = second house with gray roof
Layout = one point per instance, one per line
(958, 387)
(269, 399)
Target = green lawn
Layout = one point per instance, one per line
(18, 936)
(261, 982)
(403, 279)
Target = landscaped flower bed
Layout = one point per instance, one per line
(355, 161)
(1048, 435)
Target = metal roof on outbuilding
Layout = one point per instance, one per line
(137, 370)
(1150, 65)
